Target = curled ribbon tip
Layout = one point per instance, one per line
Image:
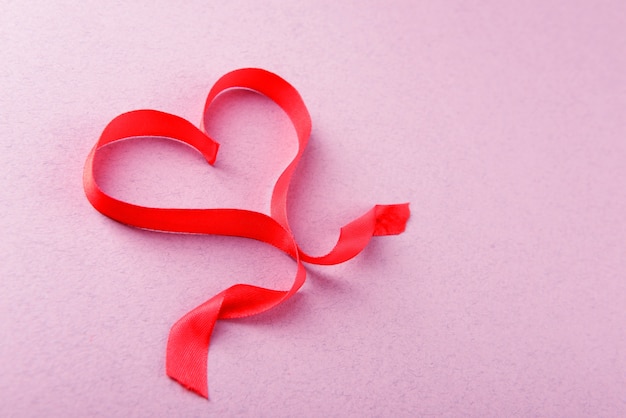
(391, 219)
(190, 337)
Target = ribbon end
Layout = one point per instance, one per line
(210, 154)
(202, 391)
(188, 346)
(391, 219)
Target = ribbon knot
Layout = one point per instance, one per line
(189, 338)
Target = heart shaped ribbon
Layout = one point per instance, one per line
(188, 342)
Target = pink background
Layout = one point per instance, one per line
(503, 124)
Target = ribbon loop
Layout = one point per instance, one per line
(189, 339)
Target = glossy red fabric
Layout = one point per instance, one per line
(188, 343)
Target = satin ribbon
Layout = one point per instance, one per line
(189, 338)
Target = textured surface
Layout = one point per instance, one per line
(504, 126)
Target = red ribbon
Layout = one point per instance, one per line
(188, 343)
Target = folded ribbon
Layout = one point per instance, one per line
(188, 343)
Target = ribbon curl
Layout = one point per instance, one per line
(189, 338)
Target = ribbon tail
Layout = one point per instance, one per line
(189, 339)
(354, 237)
(188, 346)
(391, 219)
